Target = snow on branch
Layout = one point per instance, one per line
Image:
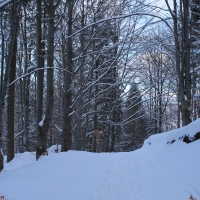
(4, 3)
(59, 129)
(125, 16)
(17, 134)
(33, 71)
(42, 121)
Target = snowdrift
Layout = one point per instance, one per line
(158, 171)
(186, 134)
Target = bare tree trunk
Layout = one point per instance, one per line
(26, 88)
(66, 135)
(112, 145)
(2, 50)
(186, 63)
(177, 50)
(11, 106)
(114, 92)
(2, 70)
(42, 139)
(20, 120)
(40, 77)
(94, 145)
(14, 28)
(1, 160)
(183, 57)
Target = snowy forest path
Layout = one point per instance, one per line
(104, 176)
(110, 178)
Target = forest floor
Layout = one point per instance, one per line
(157, 171)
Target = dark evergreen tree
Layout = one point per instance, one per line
(134, 120)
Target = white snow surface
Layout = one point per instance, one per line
(167, 137)
(159, 171)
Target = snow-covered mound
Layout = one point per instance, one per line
(20, 160)
(54, 149)
(187, 133)
(154, 172)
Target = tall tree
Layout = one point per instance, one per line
(183, 54)
(26, 87)
(16, 6)
(135, 126)
(42, 139)
(195, 56)
(66, 135)
(11, 107)
(40, 77)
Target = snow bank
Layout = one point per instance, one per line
(19, 160)
(54, 149)
(154, 172)
(172, 136)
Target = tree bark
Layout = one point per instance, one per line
(182, 50)
(40, 77)
(42, 138)
(11, 106)
(186, 99)
(66, 135)
(14, 29)
(26, 87)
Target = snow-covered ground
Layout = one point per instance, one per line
(157, 171)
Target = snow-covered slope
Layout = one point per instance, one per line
(178, 134)
(157, 171)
